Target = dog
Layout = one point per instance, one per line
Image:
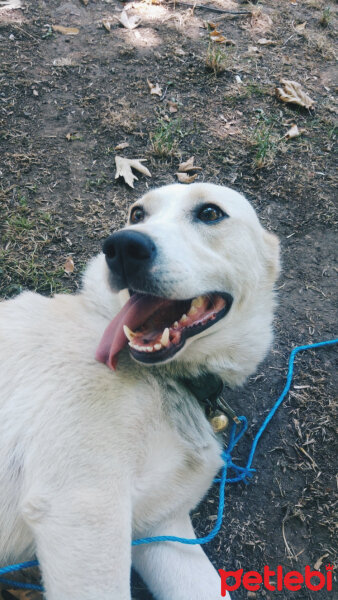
(101, 439)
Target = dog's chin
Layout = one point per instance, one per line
(174, 325)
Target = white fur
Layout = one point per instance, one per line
(90, 458)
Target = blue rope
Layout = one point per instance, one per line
(243, 474)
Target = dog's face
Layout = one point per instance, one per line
(194, 259)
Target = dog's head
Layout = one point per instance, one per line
(199, 270)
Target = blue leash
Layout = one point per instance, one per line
(242, 474)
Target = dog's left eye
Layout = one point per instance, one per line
(137, 214)
(210, 213)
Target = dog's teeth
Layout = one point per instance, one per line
(175, 325)
(183, 318)
(157, 347)
(193, 310)
(198, 302)
(128, 333)
(165, 337)
(149, 349)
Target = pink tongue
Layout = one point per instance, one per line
(134, 313)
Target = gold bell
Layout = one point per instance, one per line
(219, 423)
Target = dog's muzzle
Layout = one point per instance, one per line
(129, 256)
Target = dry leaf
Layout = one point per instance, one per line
(124, 166)
(173, 106)
(66, 30)
(216, 36)
(106, 24)
(68, 267)
(260, 22)
(129, 22)
(300, 28)
(265, 42)
(185, 178)
(154, 88)
(121, 146)
(10, 5)
(293, 132)
(319, 562)
(292, 92)
(188, 165)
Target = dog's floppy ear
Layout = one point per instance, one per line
(272, 255)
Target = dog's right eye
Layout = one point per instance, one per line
(137, 214)
(210, 213)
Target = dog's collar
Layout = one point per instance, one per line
(207, 388)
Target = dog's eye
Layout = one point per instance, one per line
(137, 215)
(210, 213)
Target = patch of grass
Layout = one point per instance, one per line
(17, 274)
(216, 59)
(26, 250)
(265, 142)
(166, 137)
(95, 184)
(326, 17)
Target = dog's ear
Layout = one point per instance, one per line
(272, 255)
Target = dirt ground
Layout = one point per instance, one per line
(67, 101)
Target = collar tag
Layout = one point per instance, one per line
(208, 388)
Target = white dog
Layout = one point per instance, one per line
(102, 441)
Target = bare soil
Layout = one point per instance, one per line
(66, 102)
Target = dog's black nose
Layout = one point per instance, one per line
(128, 252)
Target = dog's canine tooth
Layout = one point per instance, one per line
(183, 318)
(165, 337)
(157, 347)
(192, 311)
(198, 302)
(128, 333)
(175, 325)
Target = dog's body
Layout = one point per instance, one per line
(91, 459)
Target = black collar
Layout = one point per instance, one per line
(207, 389)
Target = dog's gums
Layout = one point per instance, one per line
(165, 331)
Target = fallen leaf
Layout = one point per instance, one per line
(106, 24)
(121, 146)
(260, 22)
(293, 132)
(68, 267)
(292, 92)
(10, 5)
(66, 30)
(265, 42)
(129, 22)
(188, 165)
(300, 28)
(185, 178)
(124, 166)
(319, 562)
(154, 88)
(173, 106)
(216, 36)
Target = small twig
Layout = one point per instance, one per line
(164, 94)
(211, 8)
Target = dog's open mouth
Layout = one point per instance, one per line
(157, 328)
